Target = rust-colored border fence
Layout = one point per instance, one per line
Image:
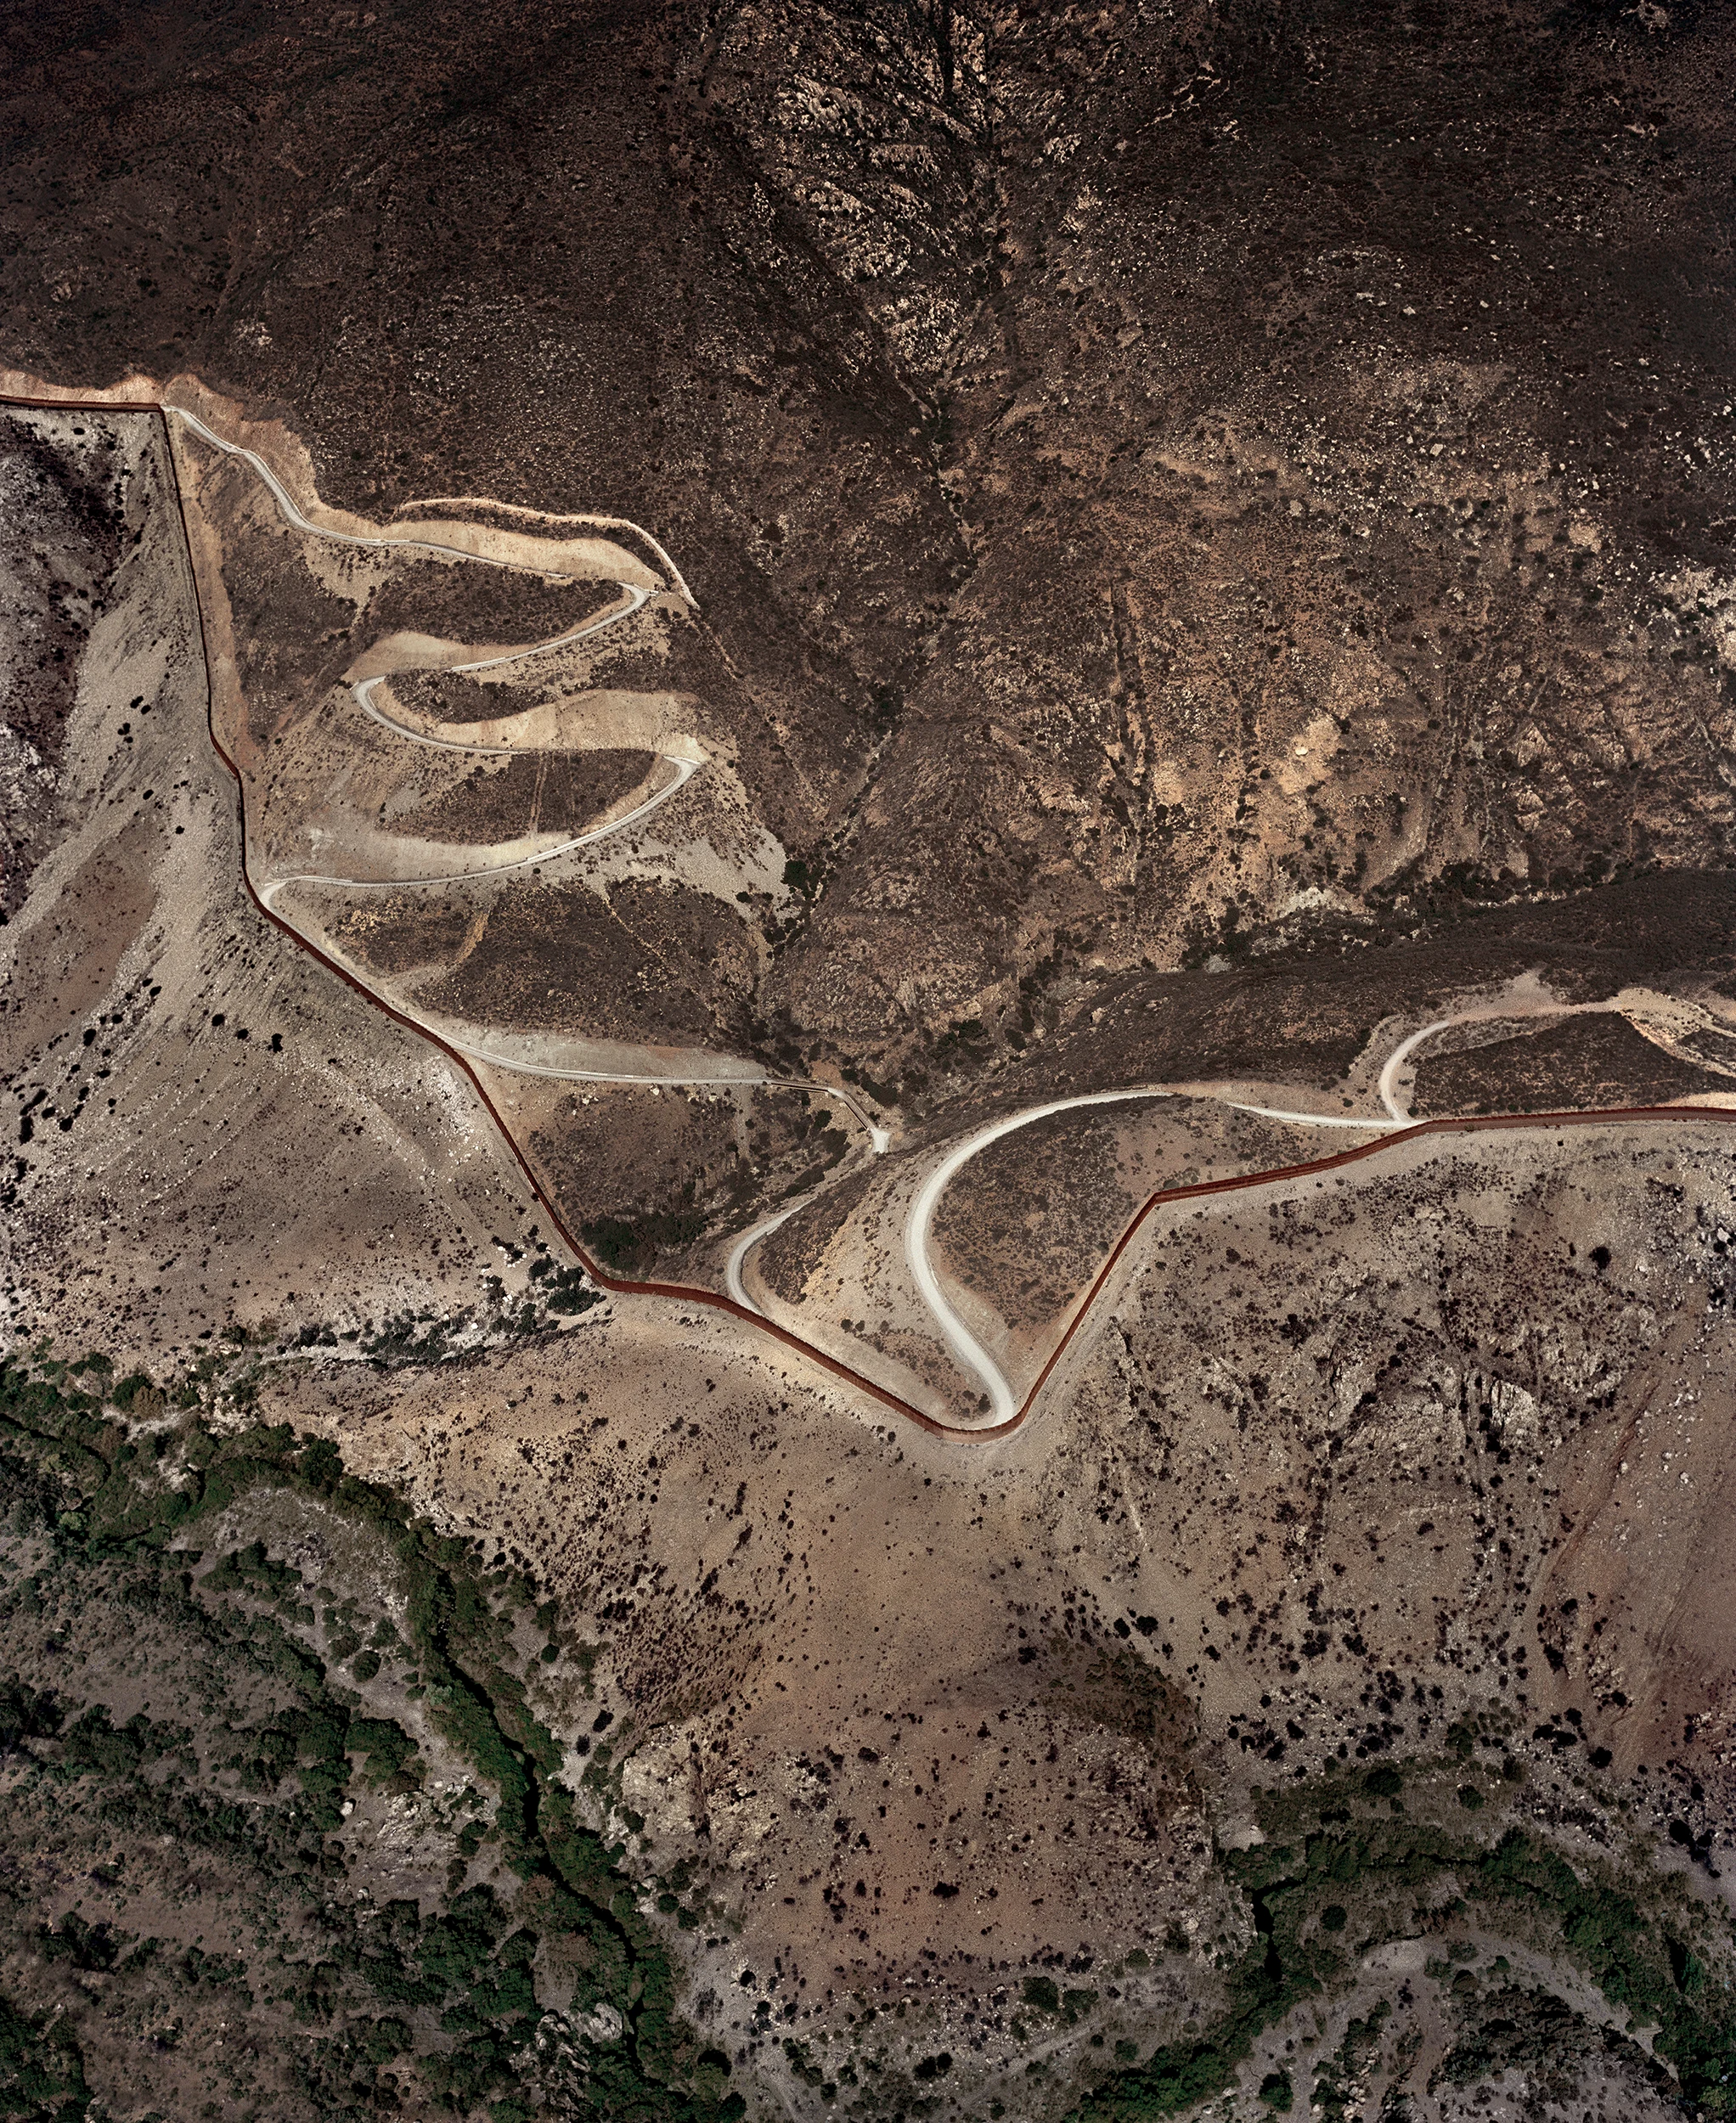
(686, 1293)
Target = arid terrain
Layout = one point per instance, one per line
(868, 974)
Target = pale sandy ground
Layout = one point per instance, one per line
(346, 1174)
(788, 1584)
(783, 1581)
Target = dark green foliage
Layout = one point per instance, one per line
(88, 1946)
(47, 1431)
(457, 1944)
(631, 1245)
(25, 1714)
(382, 2039)
(1177, 2078)
(1532, 2031)
(385, 1746)
(32, 1495)
(94, 1744)
(1277, 2092)
(1603, 1932)
(406, 1340)
(570, 1291)
(354, 1989)
(42, 2074)
(1361, 2043)
(1524, 1885)
(320, 1465)
(802, 2065)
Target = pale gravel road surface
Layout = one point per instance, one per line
(964, 1345)
(635, 596)
(1396, 1059)
(744, 1245)
(965, 1349)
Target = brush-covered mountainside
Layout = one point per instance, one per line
(868, 1030)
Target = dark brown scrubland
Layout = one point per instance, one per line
(1579, 1061)
(1062, 420)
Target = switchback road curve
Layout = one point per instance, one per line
(634, 598)
(964, 1435)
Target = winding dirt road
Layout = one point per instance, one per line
(685, 770)
(744, 1245)
(964, 1345)
(1401, 1054)
(634, 597)
(1389, 1132)
(967, 1349)
(364, 689)
(958, 1337)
